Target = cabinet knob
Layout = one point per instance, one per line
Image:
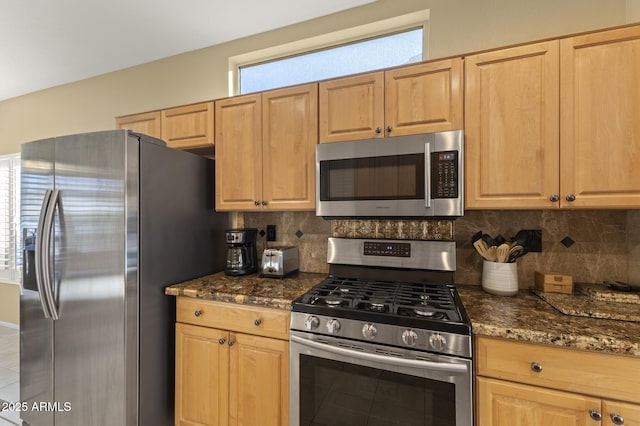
(197, 313)
(617, 419)
(595, 414)
(536, 367)
(554, 198)
(378, 130)
(231, 342)
(570, 197)
(257, 322)
(222, 340)
(256, 202)
(388, 129)
(264, 203)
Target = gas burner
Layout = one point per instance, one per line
(430, 314)
(375, 306)
(334, 302)
(425, 299)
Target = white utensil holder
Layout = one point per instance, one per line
(500, 278)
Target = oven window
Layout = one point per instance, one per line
(334, 393)
(394, 177)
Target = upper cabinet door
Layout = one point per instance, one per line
(189, 126)
(424, 98)
(600, 125)
(289, 138)
(147, 123)
(352, 108)
(239, 152)
(512, 127)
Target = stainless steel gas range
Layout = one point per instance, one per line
(384, 340)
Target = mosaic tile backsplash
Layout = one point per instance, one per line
(394, 229)
(606, 242)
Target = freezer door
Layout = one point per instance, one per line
(90, 278)
(36, 331)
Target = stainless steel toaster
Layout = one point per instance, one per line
(279, 261)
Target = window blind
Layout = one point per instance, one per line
(10, 250)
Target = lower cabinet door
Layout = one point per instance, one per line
(501, 403)
(202, 376)
(258, 381)
(620, 413)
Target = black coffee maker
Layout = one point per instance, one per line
(242, 256)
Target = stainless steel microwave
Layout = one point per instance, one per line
(403, 176)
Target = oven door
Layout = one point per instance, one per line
(338, 382)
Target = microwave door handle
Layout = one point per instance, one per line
(427, 174)
(412, 363)
(46, 253)
(39, 253)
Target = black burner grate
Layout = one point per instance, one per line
(407, 299)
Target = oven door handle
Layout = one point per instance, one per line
(413, 363)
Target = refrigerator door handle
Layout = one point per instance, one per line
(39, 253)
(46, 253)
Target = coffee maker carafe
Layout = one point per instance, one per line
(242, 257)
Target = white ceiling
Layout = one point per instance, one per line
(45, 43)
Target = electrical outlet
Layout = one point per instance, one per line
(271, 232)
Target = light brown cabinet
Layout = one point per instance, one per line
(232, 364)
(146, 122)
(600, 130)
(183, 127)
(536, 385)
(553, 124)
(265, 150)
(512, 127)
(422, 98)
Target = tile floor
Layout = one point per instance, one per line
(9, 373)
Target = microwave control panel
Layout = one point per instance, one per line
(444, 174)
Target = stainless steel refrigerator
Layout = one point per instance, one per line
(108, 220)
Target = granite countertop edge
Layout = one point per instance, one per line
(524, 317)
(527, 318)
(275, 293)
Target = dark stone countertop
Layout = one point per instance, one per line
(524, 317)
(251, 289)
(527, 318)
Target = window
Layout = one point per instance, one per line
(10, 257)
(380, 52)
(394, 41)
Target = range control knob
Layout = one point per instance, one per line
(437, 341)
(333, 326)
(311, 322)
(369, 331)
(409, 337)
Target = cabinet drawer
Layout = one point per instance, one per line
(228, 316)
(603, 375)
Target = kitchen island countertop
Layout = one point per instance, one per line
(527, 318)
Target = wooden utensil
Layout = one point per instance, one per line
(481, 247)
(502, 252)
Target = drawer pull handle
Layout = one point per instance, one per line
(595, 414)
(617, 419)
(222, 340)
(197, 313)
(536, 367)
(257, 322)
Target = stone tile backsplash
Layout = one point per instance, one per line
(394, 229)
(607, 242)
